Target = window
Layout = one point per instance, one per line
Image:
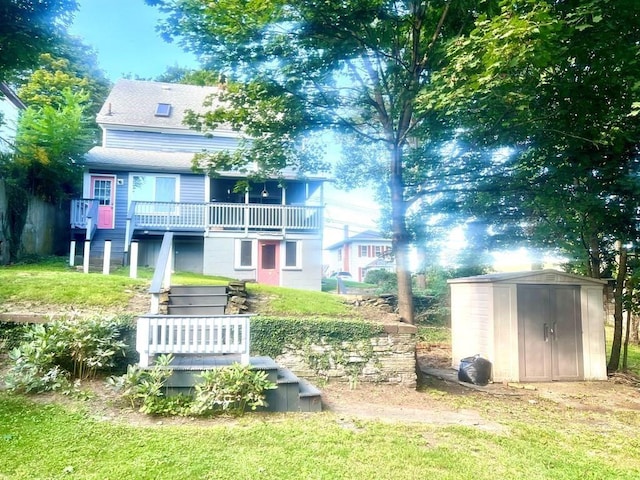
(163, 110)
(292, 254)
(244, 254)
(340, 254)
(378, 251)
(155, 188)
(363, 251)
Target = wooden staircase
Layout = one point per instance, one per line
(187, 310)
(197, 300)
(292, 394)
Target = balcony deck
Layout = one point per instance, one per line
(201, 217)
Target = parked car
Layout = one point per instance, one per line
(342, 275)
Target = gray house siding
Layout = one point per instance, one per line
(219, 259)
(192, 188)
(309, 277)
(139, 140)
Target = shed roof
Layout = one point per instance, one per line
(133, 103)
(534, 276)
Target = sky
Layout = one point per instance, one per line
(124, 36)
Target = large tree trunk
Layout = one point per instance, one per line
(614, 359)
(400, 238)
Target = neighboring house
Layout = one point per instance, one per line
(140, 184)
(360, 253)
(10, 108)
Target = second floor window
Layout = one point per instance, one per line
(162, 189)
(153, 188)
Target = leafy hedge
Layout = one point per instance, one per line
(270, 335)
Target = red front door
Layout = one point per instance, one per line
(103, 191)
(269, 262)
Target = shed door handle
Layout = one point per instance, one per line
(546, 332)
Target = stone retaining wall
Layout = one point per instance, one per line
(390, 358)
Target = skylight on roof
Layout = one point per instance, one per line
(163, 110)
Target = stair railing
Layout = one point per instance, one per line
(161, 281)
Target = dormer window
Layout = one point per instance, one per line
(163, 110)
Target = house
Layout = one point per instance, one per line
(139, 184)
(358, 254)
(10, 108)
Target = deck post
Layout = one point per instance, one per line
(72, 253)
(133, 260)
(106, 258)
(85, 259)
(142, 340)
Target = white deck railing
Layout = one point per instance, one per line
(207, 216)
(193, 334)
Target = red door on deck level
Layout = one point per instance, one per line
(269, 262)
(103, 190)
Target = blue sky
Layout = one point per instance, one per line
(123, 33)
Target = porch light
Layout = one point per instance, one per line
(265, 194)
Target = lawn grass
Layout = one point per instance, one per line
(55, 284)
(49, 441)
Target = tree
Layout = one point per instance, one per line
(50, 144)
(298, 68)
(30, 28)
(557, 82)
(54, 77)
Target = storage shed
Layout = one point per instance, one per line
(533, 326)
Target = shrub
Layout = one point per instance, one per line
(232, 389)
(50, 355)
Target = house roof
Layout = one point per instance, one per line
(134, 103)
(131, 160)
(535, 276)
(368, 236)
(12, 96)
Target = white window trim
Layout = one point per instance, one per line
(237, 249)
(298, 265)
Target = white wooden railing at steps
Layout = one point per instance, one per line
(193, 334)
(187, 334)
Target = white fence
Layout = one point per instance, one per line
(193, 334)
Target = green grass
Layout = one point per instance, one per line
(55, 284)
(47, 441)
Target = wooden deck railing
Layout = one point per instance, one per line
(84, 215)
(235, 216)
(193, 334)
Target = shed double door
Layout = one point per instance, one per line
(550, 333)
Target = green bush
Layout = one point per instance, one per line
(386, 281)
(229, 389)
(145, 389)
(232, 389)
(50, 355)
(11, 334)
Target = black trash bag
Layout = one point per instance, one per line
(476, 370)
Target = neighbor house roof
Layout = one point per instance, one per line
(134, 103)
(368, 236)
(12, 96)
